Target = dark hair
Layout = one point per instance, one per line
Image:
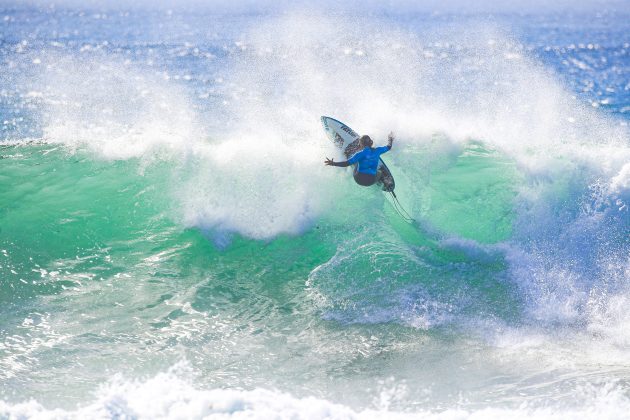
(366, 141)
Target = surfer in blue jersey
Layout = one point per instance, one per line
(365, 173)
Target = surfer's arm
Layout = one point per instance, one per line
(390, 142)
(331, 162)
(383, 149)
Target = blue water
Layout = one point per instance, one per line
(171, 244)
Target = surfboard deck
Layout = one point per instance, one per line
(346, 139)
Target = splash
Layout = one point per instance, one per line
(252, 164)
(114, 109)
(169, 395)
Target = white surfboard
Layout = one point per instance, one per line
(346, 139)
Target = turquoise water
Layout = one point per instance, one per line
(171, 243)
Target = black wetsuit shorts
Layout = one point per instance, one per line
(364, 179)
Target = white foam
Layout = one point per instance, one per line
(169, 396)
(257, 184)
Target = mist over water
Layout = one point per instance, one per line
(172, 244)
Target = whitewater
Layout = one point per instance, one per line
(172, 245)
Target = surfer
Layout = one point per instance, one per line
(367, 159)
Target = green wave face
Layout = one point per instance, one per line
(87, 220)
(70, 215)
(472, 196)
(62, 205)
(95, 255)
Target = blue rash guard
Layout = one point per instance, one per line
(368, 159)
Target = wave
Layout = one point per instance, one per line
(521, 191)
(169, 395)
(491, 147)
(248, 157)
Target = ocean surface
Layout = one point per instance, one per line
(172, 246)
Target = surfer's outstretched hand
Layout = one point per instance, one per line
(329, 162)
(390, 138)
